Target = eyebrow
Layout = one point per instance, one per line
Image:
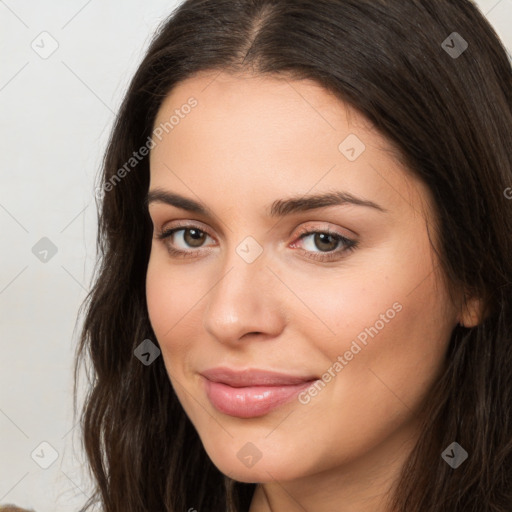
(278, 208)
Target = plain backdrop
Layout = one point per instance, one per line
(64, 68)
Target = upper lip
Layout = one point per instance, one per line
(253, 377)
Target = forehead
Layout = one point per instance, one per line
(260, 105)
(246, 132)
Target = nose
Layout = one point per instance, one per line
(244, 301)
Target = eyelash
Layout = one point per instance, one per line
(350, 245)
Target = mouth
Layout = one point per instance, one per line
(251, 393)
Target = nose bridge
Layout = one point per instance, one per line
(241, 300)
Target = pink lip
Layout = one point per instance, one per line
(252, 392)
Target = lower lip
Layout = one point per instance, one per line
(253, 401)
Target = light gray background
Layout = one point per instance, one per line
(56, 113)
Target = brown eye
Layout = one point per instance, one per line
(195, 237)
(325, 245)
(326, 241)
(184, 240)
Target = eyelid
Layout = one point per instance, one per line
(302, 230)
(325, 228)
(184, 224)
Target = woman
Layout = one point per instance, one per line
(304, 300)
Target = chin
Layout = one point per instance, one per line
(258, 470)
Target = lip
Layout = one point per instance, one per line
(252, 392)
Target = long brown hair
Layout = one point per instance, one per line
(447, 107)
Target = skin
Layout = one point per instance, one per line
(250, 141)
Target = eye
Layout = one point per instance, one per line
(186, 237)
(320, 245)
(331, 245)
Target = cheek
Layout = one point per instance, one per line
(391, 323)
(380, 382)
(160, 297)
(368, 297)
(170, 299)
(401, 355)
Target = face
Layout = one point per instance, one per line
(300, 337)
